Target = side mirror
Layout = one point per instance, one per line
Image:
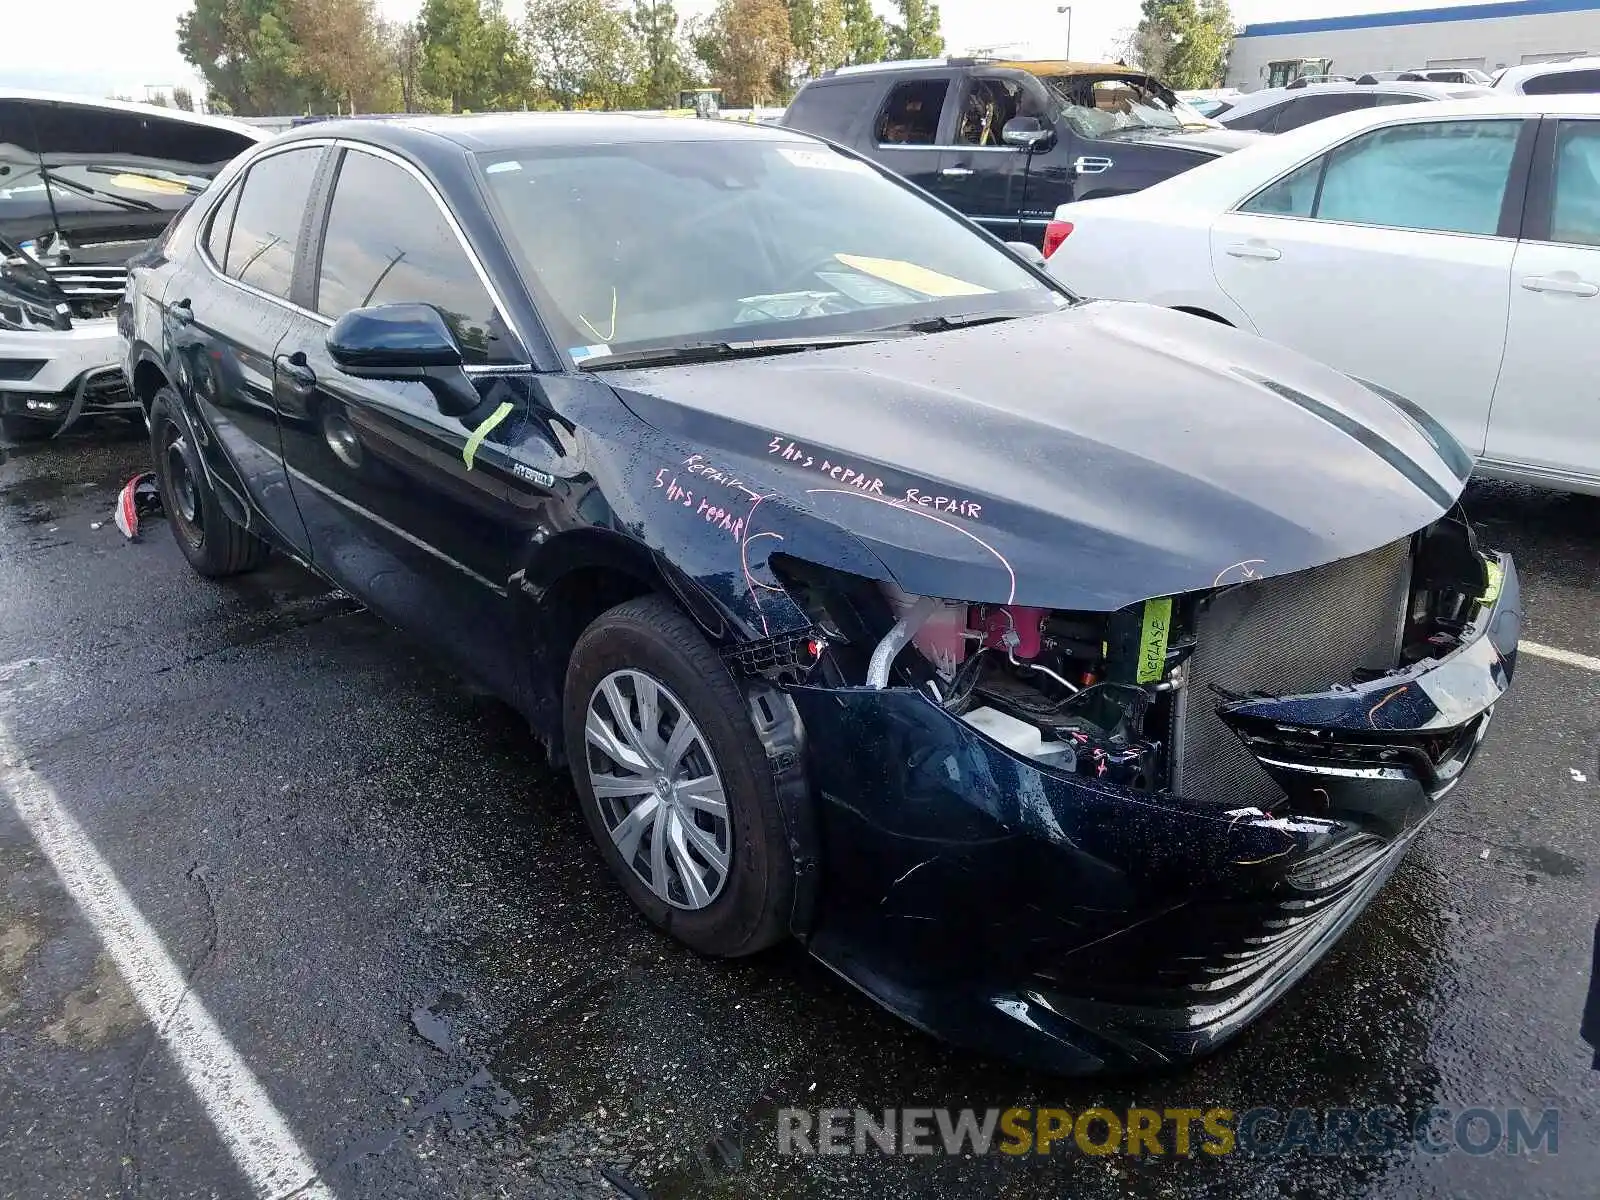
(404, 342)
(1028, 251)
(1028, 133)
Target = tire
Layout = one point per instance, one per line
(214, 544)
(16, 428)
(645, 641)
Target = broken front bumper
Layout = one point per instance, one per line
(57, 376)
(1078, 927)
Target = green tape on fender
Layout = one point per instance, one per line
(470, 450)
(1153, 639)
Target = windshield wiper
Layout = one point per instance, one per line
(693, 352)
(954, 321)
(83, 189)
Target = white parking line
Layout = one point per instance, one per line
(1571, 657)
(254, 1131)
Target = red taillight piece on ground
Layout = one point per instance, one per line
(1054, 234)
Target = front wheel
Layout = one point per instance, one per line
(213, 543)
(674, 783)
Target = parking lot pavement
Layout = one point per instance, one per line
(393, 912)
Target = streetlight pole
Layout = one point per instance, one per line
(1067, 8)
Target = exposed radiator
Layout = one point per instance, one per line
(93, 291)
(1294, 633)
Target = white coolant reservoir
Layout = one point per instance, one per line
(1020, 737)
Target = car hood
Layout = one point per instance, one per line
(103, 145)
(1202, 141)
(1084, 459)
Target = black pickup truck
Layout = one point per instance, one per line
(1100, 130)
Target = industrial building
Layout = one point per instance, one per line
(1484, 36)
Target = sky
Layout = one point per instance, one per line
(125, 46)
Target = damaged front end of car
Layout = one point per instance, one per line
(1097, 841)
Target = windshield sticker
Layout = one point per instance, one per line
(579, 353)
(910, 275)
(822, 160)
(508, 165)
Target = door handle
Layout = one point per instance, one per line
(1255, 250)
(293, 368)
(956, 172)
(1555, 283)
(182, 312)
(1091, 164)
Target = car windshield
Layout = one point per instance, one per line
(671, 243)
(100, 186)
(1097, 105)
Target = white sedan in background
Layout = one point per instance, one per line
(1447, 252)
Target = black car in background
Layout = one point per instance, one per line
(1066, 675)
(1088, 129)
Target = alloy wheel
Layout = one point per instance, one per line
(658, 790)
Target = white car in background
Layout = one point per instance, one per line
(1576, 76)
(86, 185)
(1449, 253)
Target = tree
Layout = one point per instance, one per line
(402, 48)
(654, 24)
(865, 35)
(182, 98)
(817, 33)
(1183, 42)
(502, 71)
(246, 52)
(583, 53)
(341, 54)
(468, 57)
(745, 45)
(918, 33)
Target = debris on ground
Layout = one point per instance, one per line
(139, 498)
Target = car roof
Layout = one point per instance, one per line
(1511, 76)
(1266, 97)
(1223, 181)
(153, 111)
(490, 132)
(1034, 66)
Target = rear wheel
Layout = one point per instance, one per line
(673, 781)
(212, 542)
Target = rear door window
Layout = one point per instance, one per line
(1263, 120)
(1305, 109)
(1575, 199)
(267, 218)
(387, 241)
(1442, 176)
(910, 116)
(1563, 83)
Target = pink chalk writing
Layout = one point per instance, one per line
(838, 472)
(948, 504)
(711, 513)
(675, 493)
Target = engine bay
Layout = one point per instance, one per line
(1102, 694)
